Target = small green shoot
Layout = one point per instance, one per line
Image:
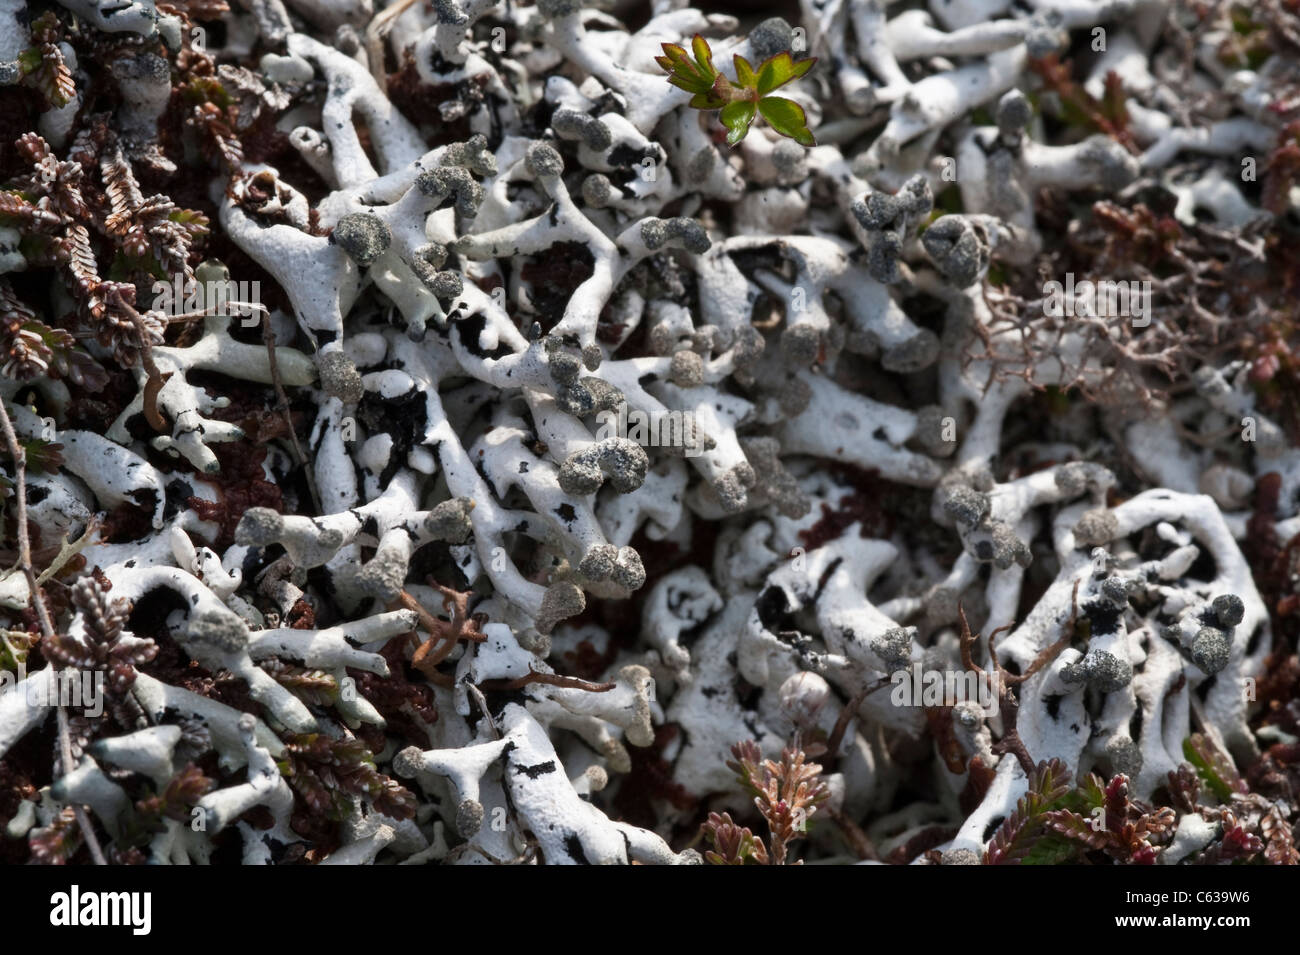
(741, 101)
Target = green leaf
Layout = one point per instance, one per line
(706, 101)
(745, 75)
(803, 66)
(1214, 768)
(29, 60)
(43, 457)
(737, 117)
(775, 72)
(684, 75)
(1050, 849)
(703, 55)
(694, 76)
(787, 118)
(677, 60)
(14, 646)
(778, 70)
(674, 52)
(696, 86)
(190, 217)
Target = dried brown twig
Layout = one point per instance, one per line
(282, 405)
(847, 713)
(551, 679)
(1002, 679)
(42, 614)
(443, 634)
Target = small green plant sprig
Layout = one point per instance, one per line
(741, 101)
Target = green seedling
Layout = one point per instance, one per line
(740, 102)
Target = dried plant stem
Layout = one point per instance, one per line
(846, 715)
(1007, 705)
(854, 835)
(1048, 654)
(43, 614)
(555, 679)
(282, 406)
(442, 636)
(1003, 680)
(156, 378)
(376, 30)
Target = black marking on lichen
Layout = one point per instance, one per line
(573, 846)
(541, 769)
(773, 609)
(1103, 616)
